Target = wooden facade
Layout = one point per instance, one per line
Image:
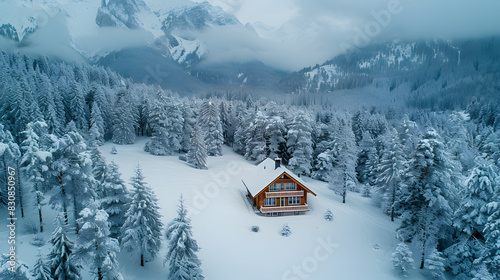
(282, 195)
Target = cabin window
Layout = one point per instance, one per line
(282, 186)
(270, 201)
(274, 187)
(290, 186)
(294, 200)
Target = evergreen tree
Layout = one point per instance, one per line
(210, 123)
(391, 169)
(96, 131)
(426, 213)
(9, 154)
(329, 215)
(20, 273)
(491, 231)
(182, 248)
(189, 116)
(343, 176)
(256, 148)
(95, 244)
(35, 163)
(197, 155)
(285, 230)
(41, 270)
(402, 260)
(141, 231)
(124, 120)
(115, 199)
(61, 261)
(435, 263)
(299, 144)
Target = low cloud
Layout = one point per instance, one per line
(320, 29)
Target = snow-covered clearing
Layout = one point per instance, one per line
(357, 244)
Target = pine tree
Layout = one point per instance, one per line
(329, 215)
(20, 273)
(35, 163)
(41, 270)
(391, 169)
(343, 176)
(73, 168)
(93, 243)
(61, 261)
(9, 154)
(166, 124)
(141, 232)
(435, 263)
(197, 155)
(76, 106)
(96, 131)
(182, 248)
(285, 231)
(299, 144)
(402, 260)
(256, 148)
(210, 123)
(426, 213)
(491, 252)
(124, 120)
(115, 199)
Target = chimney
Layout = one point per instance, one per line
(277, 163)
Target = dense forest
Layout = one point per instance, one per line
(436, 171)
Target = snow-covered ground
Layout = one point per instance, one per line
(357, 244)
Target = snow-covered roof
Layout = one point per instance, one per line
(264, 174)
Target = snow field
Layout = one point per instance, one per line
(357, 244)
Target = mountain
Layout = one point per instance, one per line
(424, 71)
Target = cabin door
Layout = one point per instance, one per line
(282, 201)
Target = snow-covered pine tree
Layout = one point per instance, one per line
(285, 230)
(197, 155)
(189, 116)
(470, 219)
(46, 102)
(96, 131)
(343, 176)
(94, 245)
(41, 270)
(275, 131)
(61, 263)
(329, 215)
(141, 232)
(166, 121)
(73, 168)
(482, 273)
(299, 144)
(9, 154)
(76, 106)
(124, 121)
(20, 273)
(256, 147)
(426, 214)
(401, 259)
(491, 231)
(435, 264)
(391, 168)
(115, 199)
(209, 119)
(34, 163)
(181, 255)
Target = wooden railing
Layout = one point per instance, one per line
(284, 194)
(274, 209)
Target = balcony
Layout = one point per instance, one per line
(276, 209)
(284, 194)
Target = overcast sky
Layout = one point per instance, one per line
(299, 33)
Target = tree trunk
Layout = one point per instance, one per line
(20, 191)
(423, 255)
(99, 274)
(75, 213)
(393, 202)
(39, 206)
(142, 260)
(63, 192)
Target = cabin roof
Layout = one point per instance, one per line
(264, 174)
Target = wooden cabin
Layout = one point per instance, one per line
(275, 190)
